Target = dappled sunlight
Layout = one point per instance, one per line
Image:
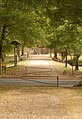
(44, 65)
(37, 63)
(20, 63)
(10, 65)
(60, 65)
(23, 63)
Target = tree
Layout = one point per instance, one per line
(18, 19)
(11, 19)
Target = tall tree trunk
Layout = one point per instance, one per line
(72, 64)
(50, 53)
(1, 40)
(1, 44)
(62, 57)
(0, 57)
(0, 49)
(55, 54)
(22, 50)
(66, 59)
(76, 65)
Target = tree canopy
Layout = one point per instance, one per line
(55, 23)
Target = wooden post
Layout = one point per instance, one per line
(15, 43)
(57, 81)
(15, 55)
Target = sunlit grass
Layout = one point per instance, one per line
(58, 65)
(23, 63)
(69, 67)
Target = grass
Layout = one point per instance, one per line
(6, 88)
(69, 67)
(9, 60)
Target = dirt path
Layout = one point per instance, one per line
(44, 63)
(41, 65)
(40, 103)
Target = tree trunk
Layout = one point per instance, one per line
(22, 51)
(62, 57)
(1, 44)
(55, 54)
(72, 64)
(66, 59)
(0, 57)
(50, 53)
(0, 49)
(76, 65)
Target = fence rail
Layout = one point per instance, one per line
(42, 79)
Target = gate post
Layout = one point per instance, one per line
(57, 81)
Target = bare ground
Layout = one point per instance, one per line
(40, 103)
(42, 65)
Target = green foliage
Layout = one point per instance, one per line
(54, 23)
(20, 21)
